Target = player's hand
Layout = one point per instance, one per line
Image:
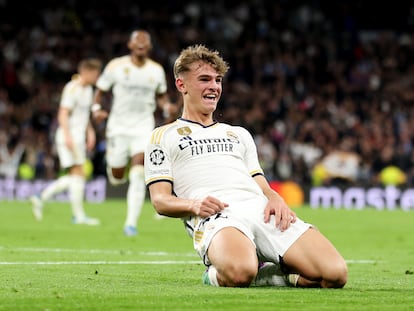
(207, 207)
(284, 216)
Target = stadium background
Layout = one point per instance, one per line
(326, 88)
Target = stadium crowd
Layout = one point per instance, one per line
(326, 97)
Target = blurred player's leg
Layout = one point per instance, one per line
(61, 184)
(111, 178)
(135, 199)
(37, 207)
(76, 195)
(57, 186)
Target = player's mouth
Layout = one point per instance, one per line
(210, 97)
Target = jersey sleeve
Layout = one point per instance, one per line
(68, 98)
(251, 158)
(105, 80)
(157, 159)
(162, 86)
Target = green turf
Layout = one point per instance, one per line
(54, 265)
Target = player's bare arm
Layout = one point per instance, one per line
(169, 205)
(90, 137)
(98, 113)
(277, 206)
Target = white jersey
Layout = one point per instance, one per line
(134, 92)
(77, 98)
(218, 160)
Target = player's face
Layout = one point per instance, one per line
(91, 76)
(202, 85)
(140, 44)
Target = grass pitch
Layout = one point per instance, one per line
(54, 265)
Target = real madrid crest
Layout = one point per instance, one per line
(184, 131)
(231, 135)
(126, 72)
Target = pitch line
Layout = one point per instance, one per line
(101, 262)
(362, 261)
(93, 251)
(127, 252)
(139, 262)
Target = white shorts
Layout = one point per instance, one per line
(248, 217)
(69, 158)
(121, 148)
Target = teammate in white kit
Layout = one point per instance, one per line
(208, 174)
(74, 136)
(138, 84)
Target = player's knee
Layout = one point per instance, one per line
(115, 177)
(336, 275)
(240, 275)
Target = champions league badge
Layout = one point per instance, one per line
(157, 157)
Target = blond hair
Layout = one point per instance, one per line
(196, 53)
(90, 64)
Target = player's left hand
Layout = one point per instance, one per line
(284, 216)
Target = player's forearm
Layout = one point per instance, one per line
(90, 136)
(169, 205)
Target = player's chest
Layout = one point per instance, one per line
(83, 98)
(130, 75)
(206, 143)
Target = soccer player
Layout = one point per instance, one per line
(138, 84)
(208, 174)
(74, 137)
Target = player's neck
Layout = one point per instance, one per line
(204, 119)
(139, 60)
(82, 80)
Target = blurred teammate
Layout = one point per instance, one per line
(74, 136)
(138, 84)
(208, 174)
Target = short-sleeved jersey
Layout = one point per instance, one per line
(134, 92)
(77, 98)
(218, 160)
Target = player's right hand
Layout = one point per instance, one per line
(208, 206)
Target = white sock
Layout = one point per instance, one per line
(59, 185)
(135, 195)
(76, 194)
(212, 276)
(293, 279)
(269, 274)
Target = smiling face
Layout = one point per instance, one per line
(201, 87)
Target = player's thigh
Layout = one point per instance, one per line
(139, 142)
(230, 248)
(312, 254)
(118, 151)
(69, 158)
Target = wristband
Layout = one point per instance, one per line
(95, 107)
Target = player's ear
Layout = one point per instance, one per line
(179, 83)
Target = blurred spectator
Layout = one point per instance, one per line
(11, 151)
(304, 77)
